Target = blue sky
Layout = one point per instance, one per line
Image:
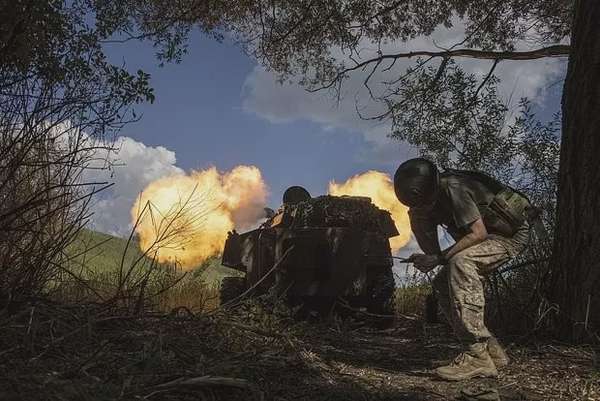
(198, 113)
(218, 108)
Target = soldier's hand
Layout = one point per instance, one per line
(424, 263)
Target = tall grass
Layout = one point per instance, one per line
(192, 294)
(94, 260)
(409, 298)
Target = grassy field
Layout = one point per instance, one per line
(96, 258)
(103, 252)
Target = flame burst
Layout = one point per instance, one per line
(185, 218)
(379, 187)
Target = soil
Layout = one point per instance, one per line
(397, 364)
(57, 353)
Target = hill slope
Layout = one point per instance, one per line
(98, 251)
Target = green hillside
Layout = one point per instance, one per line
(99, 252)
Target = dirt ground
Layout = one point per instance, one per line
(396, 364)
(53, 353)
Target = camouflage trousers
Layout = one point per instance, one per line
(459, 285)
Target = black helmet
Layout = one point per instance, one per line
(295, 194)
(416, 182)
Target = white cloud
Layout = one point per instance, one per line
(135, 166)
(277, 103)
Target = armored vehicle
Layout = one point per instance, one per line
(317, 252)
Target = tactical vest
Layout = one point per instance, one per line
(509, 208)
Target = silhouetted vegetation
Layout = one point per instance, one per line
(84, 316)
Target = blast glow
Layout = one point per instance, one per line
(379, 187)
(185, 218)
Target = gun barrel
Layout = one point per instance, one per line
(403, 260)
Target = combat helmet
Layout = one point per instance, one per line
(295, 194)
(416, 182)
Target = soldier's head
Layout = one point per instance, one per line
(416, 183)
(295, 194)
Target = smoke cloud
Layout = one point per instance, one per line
(185, 218)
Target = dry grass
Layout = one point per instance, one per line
(410, 299)
(190, 293)
(51, 352)
(181, 346)
(95, 259)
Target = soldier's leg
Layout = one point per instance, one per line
(466, 270)
(465, 273)
(441, 287)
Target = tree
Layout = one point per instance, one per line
(60, 101)
(576, 256)
(325, 42)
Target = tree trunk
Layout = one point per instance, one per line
(575, 285)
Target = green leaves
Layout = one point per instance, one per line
(450, 116)
(460, 122)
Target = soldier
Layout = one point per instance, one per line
(488, 221)
(295, 194)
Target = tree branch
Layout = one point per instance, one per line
(485, 80)
(550, 51)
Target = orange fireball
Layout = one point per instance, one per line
(185, 218)
(379, 187)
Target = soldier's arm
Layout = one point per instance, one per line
(466, 214)
(425, 233)
(477, 234)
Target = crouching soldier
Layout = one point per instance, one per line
(488, 221)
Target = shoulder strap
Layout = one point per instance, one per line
(493, 184)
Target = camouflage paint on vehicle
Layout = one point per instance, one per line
(322, 248)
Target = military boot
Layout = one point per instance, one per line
(475, 362)
(497, 353)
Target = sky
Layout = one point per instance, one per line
(219, 108)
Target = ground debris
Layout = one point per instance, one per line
(89, 352)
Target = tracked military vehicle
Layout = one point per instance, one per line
(317, 252)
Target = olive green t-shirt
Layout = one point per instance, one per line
(466, 198)
(462, 201)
